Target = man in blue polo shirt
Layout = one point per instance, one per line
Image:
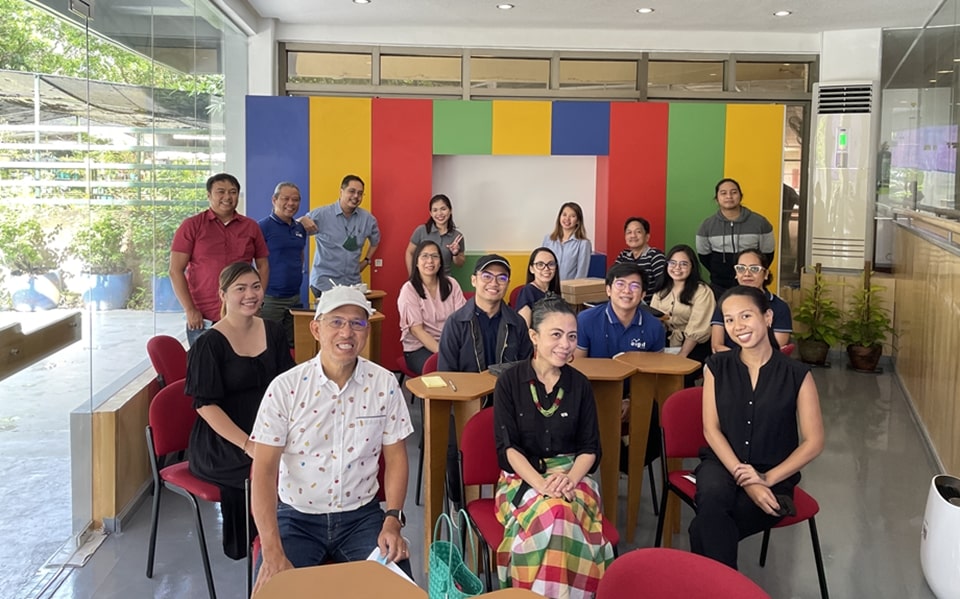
(619, 325)
(286, 240)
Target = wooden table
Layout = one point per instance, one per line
(606, 377)
(357, 580)
(306, 347)
(437, 402)
(658, 375)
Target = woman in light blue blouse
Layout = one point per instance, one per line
(569, 243)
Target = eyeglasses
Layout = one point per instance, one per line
(678, 263)
(621, 285)
(339, 323)
(753, 269)
(429, 256)
(489, 277)
(545, 265)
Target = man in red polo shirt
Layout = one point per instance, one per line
(208, 242)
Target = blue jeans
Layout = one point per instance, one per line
(314, 539)
(194, 334)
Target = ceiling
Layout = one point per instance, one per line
(809, 16)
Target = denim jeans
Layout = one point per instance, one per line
(314, 539)
(194, 334)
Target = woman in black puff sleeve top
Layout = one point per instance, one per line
(548, 443)
(228, 370)
(762, 421)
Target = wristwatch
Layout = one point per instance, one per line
(399, 515)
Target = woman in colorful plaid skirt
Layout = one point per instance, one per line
(548, 443)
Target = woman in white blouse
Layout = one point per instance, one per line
(424, 303)
(688, 303)
(569, 243)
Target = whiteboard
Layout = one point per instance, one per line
(508, 203)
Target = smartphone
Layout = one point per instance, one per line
(787, 507)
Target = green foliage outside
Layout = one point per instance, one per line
(819, 314)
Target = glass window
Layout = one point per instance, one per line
(598, 74)
(772, 76)
(509, 73)
(329, 67)
(693, 76)
(430, 71)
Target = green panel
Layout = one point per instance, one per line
(462, 127)
(694, 165)
(462, 273)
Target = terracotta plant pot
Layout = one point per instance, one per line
(864, 359)
(813, 352)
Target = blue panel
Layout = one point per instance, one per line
(598, 266)
(278, 149)
(581, 129)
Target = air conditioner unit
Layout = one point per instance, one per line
(842, 174)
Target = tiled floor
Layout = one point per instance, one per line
(871, 482)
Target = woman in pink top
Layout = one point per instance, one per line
(424, 303)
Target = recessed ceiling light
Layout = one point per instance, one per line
(945, 72)
(933, 81)
(782, 13)
(361, 1)
(956, 60)
(504, 6)
(644, 11)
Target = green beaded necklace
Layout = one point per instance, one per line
(536, 401)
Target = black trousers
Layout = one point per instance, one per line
(725, 513)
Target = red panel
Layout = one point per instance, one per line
(636, 171)
(402, 180)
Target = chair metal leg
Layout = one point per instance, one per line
(154, 521)
(763, 548)
(818, 557)
(653, 489)
(203, 546)
(658, 539)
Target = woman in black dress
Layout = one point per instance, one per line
(754, 400)
(228, 370)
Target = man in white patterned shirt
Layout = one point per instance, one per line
(319, 434)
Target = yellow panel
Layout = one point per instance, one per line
(753, 155)
(521, 127)
(340, 145)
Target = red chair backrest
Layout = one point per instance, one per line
(787, 349)
(168, 357)
(682, 422)
(431, 364)
(664, 573)
(514, 295)
(171, 418)
(479, 448)
(468, 294)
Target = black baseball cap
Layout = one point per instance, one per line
(489, 259)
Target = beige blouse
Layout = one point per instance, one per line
(686, 321)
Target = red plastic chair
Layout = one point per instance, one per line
(787, 349)
(170, 419)
(479, 466)
(673, 574)
(405, 373)
(431, 364)
(468, 294)
(682, 422)
(514, 295)
(168, 357)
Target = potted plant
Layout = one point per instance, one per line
(152, 238)
(30, 263)
(821, 318)
(866, 326)
(106, 280)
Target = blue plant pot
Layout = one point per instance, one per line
(164, 299)
(34, 293)
(106, 292)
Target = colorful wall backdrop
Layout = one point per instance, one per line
(656, 160)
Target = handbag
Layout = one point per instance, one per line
(450, 578)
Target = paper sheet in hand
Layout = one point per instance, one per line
(432, 382)
(392, 566)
